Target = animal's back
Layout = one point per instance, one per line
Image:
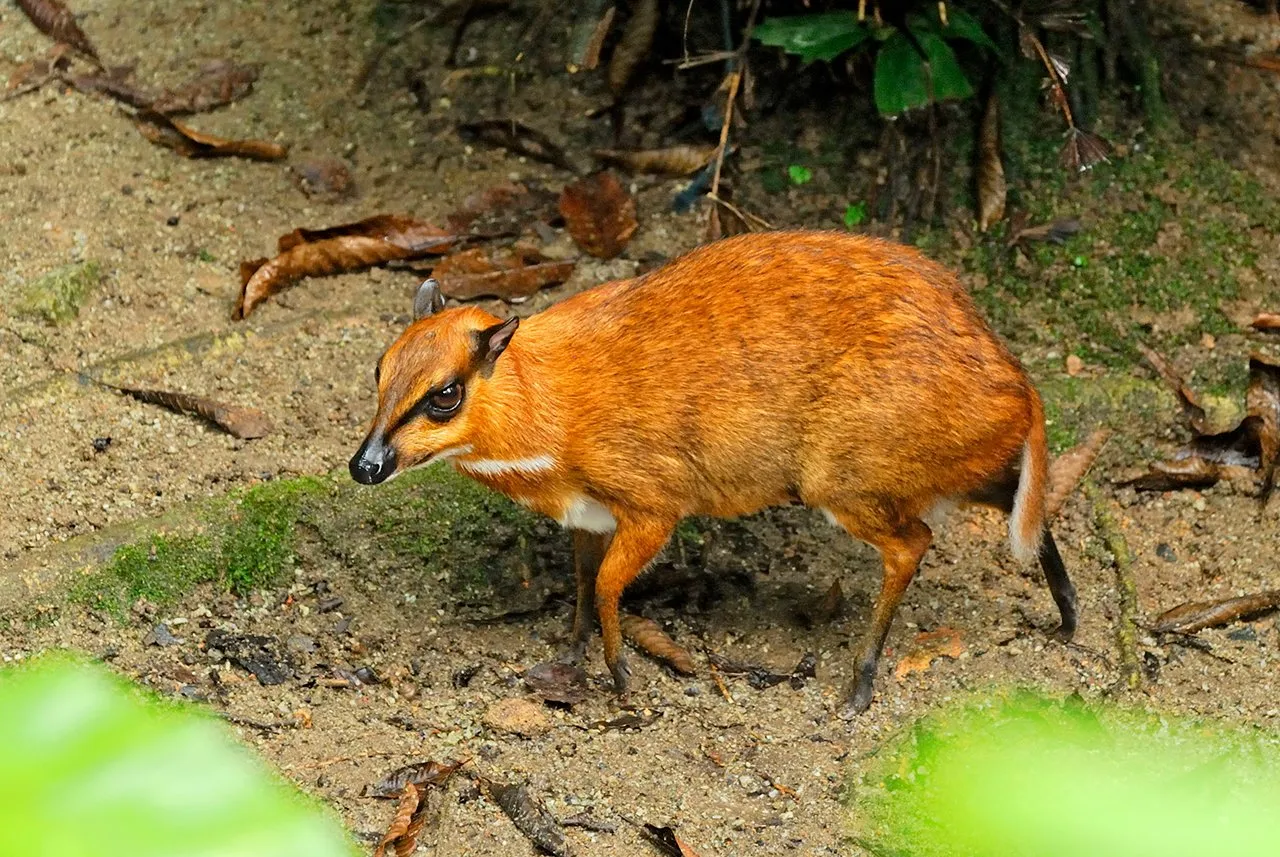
(777, 366)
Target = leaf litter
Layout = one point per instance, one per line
(927, 648)
(1195, 616)
(58, 22)
(671, 161)
(338, 249)
(530, 816)
(564, 684)
(190, 143)
(599, 214)
(420, 774)
(666, 841)
(414, 785)
(513, 274)
(649, 637)
(1250, 450)
(242, 422)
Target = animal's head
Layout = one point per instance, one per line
(428, 382)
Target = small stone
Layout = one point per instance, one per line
(1244, 635)
(160, 635)
(1166, 553)
(301, 643)
(518, 716)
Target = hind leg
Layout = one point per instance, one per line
(1060, 586)
(901, 549)
(1000, 493)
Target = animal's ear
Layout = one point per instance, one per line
(429, 300)
(494, 340)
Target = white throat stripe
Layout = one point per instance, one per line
(495, 467)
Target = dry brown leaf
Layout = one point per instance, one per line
(634, 46)
(111, 85)
(599, 214)
(216, 84)
(928, 647)
(1069, 468)
(1191, 617)
(163, 131)
(831, 605)
(58, 22)
(516, 137)
(556, 682)
(399, 827)
(529, 815)
(326, 179)
(666, 841)
(513, 275)
(992, 189)
(1187, 397)
(1268, 322)
(1055, 232)
(241, 422)
(420, 774)
(349, 247)
(587, 39)
(1083, 150)
(651, 639)
(671, 161)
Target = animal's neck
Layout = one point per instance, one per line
(516, 420)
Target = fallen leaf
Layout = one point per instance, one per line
(420, 774)
(241, 422)
(326, 179)
(399, 827)
(505, 209)
(513, 275)
(111, 85)
(928, 647)
(599, 214)
(1069, 468)
(58, 22)
(337, 249)
(516, 137)
(992, 189)
(216, 84)
(759, 677)
(1176, 475)
(1054, 232)
(651, 639)
(671, 161)
(666, 841)
(1187, 397)
(1083, 150)
(1268, 322)
(1195, 616)
(634, 46)
(529, 815)
(555, 682)
(1074, 365)
(586, 40)
(189, 143)
(262, 655)
(826, 608)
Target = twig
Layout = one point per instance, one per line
(1126, 622)
(746, 216)
(724, 688)
(30, 87)
(735, 80)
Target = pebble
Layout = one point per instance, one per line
(518, 716)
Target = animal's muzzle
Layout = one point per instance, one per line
(374, 462)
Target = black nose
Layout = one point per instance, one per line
(373, 463)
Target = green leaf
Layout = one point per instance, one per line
(962, 25)
(821, 36)
(948, 79)
(799, 174)
(854, 214)
(91, 765)
(904, 80)
(901, 79)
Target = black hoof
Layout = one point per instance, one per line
(621, 671)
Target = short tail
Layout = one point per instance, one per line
(1026, 522)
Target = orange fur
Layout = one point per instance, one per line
(847, 372)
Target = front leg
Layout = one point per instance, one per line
(588, 552)
(635, 543)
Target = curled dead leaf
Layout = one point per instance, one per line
(529, 815)
(928, 647)
(634, 46)
(1069, 468)
(1187, 397)
(666, 841)
(56, 21)
(348, 247)
(649, 637)
(671, 161)
(513, 274)
(1195, 616)
(587, 39)
(599, 214)
(1268, 322)
(237, 421)
(992, 189)
(399, 827)
(420, 774)
(216, 84)
(163, 131)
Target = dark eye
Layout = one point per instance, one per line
(444, 402)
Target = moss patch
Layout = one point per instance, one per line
(57, 296)
(243, 543)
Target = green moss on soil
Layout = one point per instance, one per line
(57, 296)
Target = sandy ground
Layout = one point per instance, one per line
(750, 771)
